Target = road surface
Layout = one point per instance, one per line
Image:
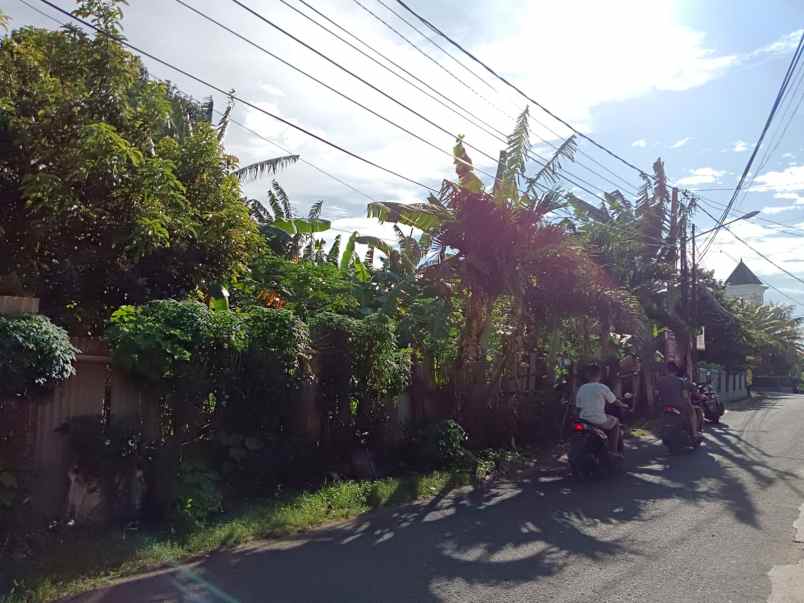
(717, 525)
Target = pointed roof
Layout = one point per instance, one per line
(742, 275)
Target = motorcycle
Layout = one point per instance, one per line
(710, 403)
(589, 454)
(676, 431)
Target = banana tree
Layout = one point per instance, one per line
(497, 242)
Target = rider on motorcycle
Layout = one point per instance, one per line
(675, 390)
(591, 401)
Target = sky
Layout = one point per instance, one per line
(689, 82)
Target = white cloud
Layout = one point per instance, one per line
(778, 210)
(783, 45)
(788, 156)
(785, 250)
(790, 180)
(670, 57)
(703, 175)
(799, 199)
(740, 146)
(680, 143)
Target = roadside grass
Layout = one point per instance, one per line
(82, 560)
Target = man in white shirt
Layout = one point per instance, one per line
(591, 401)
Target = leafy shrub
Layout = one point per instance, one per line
(34, 353)
(199, 494)
(360, 368)
(439, 445)
(181, 347)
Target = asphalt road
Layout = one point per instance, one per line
(716, 525)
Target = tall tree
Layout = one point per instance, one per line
(105, 196)
(498, 243)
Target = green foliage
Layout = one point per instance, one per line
(180, 347)
(110, 192)
(199, 495)
(34, 353)
(439, 445)
(772, 337)
(307, 287)
(379, 368)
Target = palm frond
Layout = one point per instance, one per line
(552, 167)
(258, 212)
(223, 123)
(265, 167)
(315, 210)
(302, 226)
(376, 243)
(307, 253)
(348, 252)
(276, 206)
(335, 251)
(424, 216)
(465, 169)
(282, 196)
(511, 165)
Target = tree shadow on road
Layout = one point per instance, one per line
(496, 537)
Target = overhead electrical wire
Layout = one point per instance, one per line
(786, 120)
(229, 94)
(774, 108)
(752, 248)
(261, 17)
(437, 45)
(499, 109)
(483, 125)
(246, 128)
(330, 88)
(521, 92)
(431, 59)
(258, 135)
(767, 284)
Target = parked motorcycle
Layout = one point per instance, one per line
(589, 454)
(710, 402)
(676, 431)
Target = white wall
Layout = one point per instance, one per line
(752, 293)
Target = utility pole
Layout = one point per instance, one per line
(694, 304)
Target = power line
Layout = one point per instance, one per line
(330, 88)
(788, 229)
(437, 45)
(376, 89)
(756, 251)
(767, 284)
(503, 111)
(473, 119)
(258, 135)
(519, 90)
(224, 92)
(768, 121)
(429, 58)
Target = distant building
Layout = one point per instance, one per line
(744, 284)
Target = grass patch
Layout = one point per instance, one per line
(83, 561)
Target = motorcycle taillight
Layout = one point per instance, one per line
(672, 410)
(580, 426)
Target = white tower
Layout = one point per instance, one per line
(744, 284)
